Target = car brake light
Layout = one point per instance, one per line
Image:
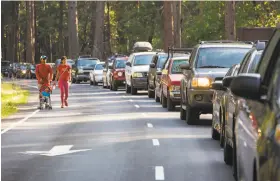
(277, 134)
(255, 124)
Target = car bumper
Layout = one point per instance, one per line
(140, 83)
(99, 79)
(175, 96)
(82, 77)
(201, 99)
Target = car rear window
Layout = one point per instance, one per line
(99, 67)
(161, 60)
(220, 57)
(143, 59)
(175, 69)
(87, 62)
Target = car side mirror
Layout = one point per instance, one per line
(227, 81)
(128, 64)
(185, 66)
(247, 86)
(159, 73)
(152, 65)
(217, 85)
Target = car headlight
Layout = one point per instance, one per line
(120, 74)
(80, 70)
(137, 74)
(174, 88)
(201, 82)
(23, 71)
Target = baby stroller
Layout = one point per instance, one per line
(45, 97)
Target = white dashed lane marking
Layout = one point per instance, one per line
(155, 142)
(159, 173)
(150, 125)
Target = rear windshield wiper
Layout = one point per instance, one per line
(212, 66)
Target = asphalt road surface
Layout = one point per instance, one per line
(107, 136)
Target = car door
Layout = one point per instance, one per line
(164, 77)
(128, 70)
(152, 71)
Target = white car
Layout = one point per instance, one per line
(136, 71)
(95, 75)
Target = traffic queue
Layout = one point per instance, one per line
(237, 82)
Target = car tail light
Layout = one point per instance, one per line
(255, 124)
(277, 134)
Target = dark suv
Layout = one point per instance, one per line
(257, 129)
(82, 68)
(208, 60)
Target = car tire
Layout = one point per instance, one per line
(127, 89)
(104, 85)
(182, 111)
(133, 90)
(192, 115)
(157, 99)
(91, 82)
(78, 81)
(114, 85)
(234, 155)
(170, 105)
(163, 100)
(227, 152)
(214, 133)
(222, 134)
(151, 93)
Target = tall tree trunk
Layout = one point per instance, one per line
(98, 47)
(108, 31)
(61, 38)
(37, 43)
(168, 28)
(30, 51)
(230, 32)
(177, 23)
(73, 29)
(93, 22)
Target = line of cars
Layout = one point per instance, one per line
(237, 82)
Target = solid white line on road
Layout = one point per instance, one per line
(144, 114)
(123, 96)
(150, 125)
(130, 100)
(159, 173)
(155, 142)
(137, 106)
(19, 122)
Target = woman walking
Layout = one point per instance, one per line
(63, 76)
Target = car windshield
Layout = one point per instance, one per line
(254, 63)
(120, 64)
(99, 67)
(23, 67)
(218, 57)
(87, 62)
(69, 62)
(143, 59)
(161, 61)
(175, 69)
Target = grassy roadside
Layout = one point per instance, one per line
(11, 97)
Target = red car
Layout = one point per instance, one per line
(117, 77)
(170, 82)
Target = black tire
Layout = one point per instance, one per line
(227, 152)
(163, 100)
(182, 111)
(91, 83)
(151, 94)
(170, 105)
(157, 99)
(234, 155)
(222, 134)
(133, 90)
(192, 115)
(215, 134)
(114, 85)
(95, 83)
(74, 80)
(104, 85)
(78, 81)
(127, 89)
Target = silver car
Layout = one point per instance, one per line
(95, 75)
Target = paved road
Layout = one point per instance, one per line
(129, 138)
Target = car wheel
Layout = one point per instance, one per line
(227, 152)
(74, 80)
(192, 115)
(104, 85)
(127, 89)
(163, 100)
(170, 105)
(182, 111)
(222, 134)
(215, 134)
(133, 90)
(91, 82)
(234, 155)
(114, 85)
(78, 81)
(157, 99)
(151, 93)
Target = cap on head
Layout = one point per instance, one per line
(44, 57)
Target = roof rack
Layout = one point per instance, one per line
(225, 41)
(172, 50)
(260, 44)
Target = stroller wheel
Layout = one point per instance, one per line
(50, 107)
